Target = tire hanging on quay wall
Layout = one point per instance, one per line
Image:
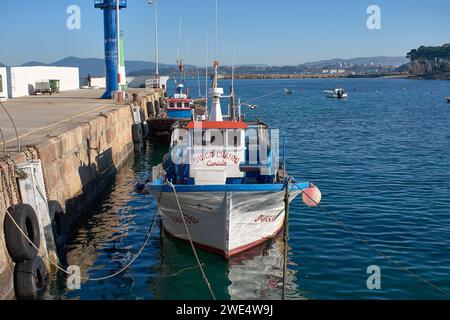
(136, 130)
(19, 248)
(30, 279)
(57, 217)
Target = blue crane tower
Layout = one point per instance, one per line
(112, 46)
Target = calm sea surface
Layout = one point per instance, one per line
(382, 161)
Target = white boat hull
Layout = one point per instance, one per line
(224, 222)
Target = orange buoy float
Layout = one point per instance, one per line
(312, 196)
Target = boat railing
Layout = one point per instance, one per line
(152, 84)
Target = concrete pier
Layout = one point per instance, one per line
(81, 140)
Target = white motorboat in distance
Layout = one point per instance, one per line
(338, 93)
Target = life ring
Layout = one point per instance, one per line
(19, 248)
(30, 279)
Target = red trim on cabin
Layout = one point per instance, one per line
(179, 100)
(217, 125)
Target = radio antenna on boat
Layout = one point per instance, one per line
(232, 84)
(217, 32)
(206, 68)
(198, 83)
(179, 40)
(216, 92)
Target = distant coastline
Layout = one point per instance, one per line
(313, 76)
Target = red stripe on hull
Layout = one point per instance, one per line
(232, 253)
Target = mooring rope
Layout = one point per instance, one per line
(285, 237)
(368, 244)
(205, 278)
(265, 95)
(59, 267)
(14, 126)
(181, 271)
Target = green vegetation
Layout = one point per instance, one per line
(430, 60)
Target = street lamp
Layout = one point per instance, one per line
(241, 104)
(154, 2)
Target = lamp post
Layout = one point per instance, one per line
(243, 104)
(119, 89)
(154, 2)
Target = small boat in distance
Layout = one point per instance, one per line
(338, 93)
(448, 99)
(288, 92)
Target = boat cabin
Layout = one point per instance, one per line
(220, 153)
(180, 105)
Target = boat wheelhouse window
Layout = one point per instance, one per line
(172, 105)
(213, 138)
(179, 105)
(234, 138)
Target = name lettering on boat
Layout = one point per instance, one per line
(266, 218)
(217, 158)
(189, 220)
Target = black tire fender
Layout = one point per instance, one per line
(30, 279)
(56, 212)
(19, 248)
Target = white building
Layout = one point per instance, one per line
(3, 84)
(95, 82)
(22, 80)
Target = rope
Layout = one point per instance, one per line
(181, 271)
(266, 95)
(14, 126)
(285, 238)
(191, 242)
(365, 242)
(80, 277)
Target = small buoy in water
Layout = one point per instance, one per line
(311, 196)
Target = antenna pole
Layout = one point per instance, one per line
(156, 40)
(232, 86)
(217, 32)
(206, 72)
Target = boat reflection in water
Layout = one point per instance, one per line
(256, 274)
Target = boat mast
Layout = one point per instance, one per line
(232, 87)
(216, 92)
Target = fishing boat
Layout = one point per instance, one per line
(338, 93)
(178, 108)
(448, 99)
(222, 186)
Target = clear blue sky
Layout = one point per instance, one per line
(282, 32)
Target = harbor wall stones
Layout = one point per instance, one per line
(80, 163)
(78, 166)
